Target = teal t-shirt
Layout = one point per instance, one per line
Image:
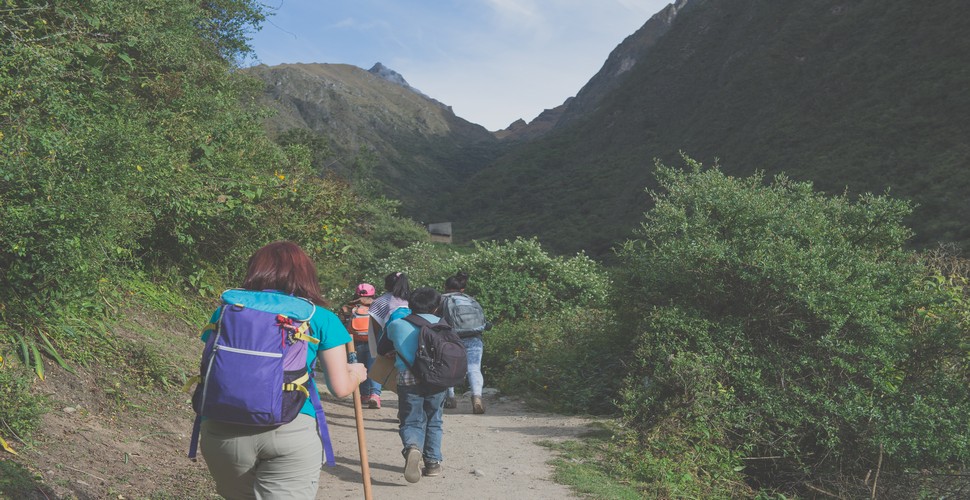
(324, 325)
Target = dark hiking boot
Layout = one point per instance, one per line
(478, 406)
(451, 402)
(412, 465)
(432, 469)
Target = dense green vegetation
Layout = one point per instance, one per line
(128, 144)
(754, 338)
(132, 160)
(780, 323)
(759, 337)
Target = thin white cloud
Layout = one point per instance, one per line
(516, 10)
(345, 23)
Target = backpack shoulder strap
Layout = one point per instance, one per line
(194, 442)
(416, 320)
(404, 361)
(447, 300)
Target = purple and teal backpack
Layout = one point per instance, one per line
(254, 365)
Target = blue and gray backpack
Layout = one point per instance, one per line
(254, 365)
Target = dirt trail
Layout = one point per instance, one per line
(96, 444)
(104, 436)
(490, 456)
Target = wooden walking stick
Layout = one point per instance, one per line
(359, 416)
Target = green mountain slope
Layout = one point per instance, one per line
(413, 146)
(855, 96)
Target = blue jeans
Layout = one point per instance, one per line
(419, 416)
(474, 348)
(368, 386)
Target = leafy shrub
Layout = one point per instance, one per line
(105, 156)
(571, 361)
(799, 308)
(385, 231)
(128, 142)
(519, 280)
(552, 333)
(512, 280)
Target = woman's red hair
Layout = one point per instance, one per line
(284, 266)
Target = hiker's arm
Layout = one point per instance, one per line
(342, 378)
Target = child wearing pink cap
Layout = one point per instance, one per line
(356, 317)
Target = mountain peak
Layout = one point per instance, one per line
(390, 75)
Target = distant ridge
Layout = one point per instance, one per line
(856, 97)
(416, 144)
(617, 66)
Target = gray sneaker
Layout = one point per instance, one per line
(412, 465)
(432, 469)
(451, 402)
(478, 406)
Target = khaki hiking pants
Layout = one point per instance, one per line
(253, 463)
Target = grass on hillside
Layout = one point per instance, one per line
(121, 389)
(16, 481)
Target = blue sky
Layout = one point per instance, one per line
(493, 61)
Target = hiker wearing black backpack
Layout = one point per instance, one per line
(467, 318)
(356, 316)
(260, 438)
(429, 358)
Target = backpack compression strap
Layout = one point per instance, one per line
(301, 334)
(297, 385)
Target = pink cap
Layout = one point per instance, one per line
(365, 290)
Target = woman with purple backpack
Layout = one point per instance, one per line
(280, 461)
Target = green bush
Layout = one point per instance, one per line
(128, 142)
(519, 280)
(800, 308)
(570, 361)
(552, 333)
(120, 129)
(513, 280)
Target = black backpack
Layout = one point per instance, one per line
(440, 361)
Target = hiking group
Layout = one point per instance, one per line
(259, 421)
